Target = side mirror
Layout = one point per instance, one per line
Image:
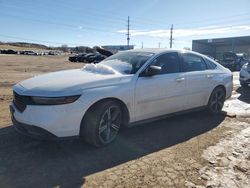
(150, 71)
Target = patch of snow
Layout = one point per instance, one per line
(120, 66)
(236, 81)
(99, 68)
(237, 107)
(229, 164)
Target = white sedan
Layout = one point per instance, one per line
(127, 88)
(245, 75)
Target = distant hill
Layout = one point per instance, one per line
(26, 45)
(34, 46)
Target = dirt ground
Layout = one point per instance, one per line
(191, 150)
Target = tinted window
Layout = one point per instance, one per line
(210, 63)
(193, 63)
(169, 63)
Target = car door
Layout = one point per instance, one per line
(162, 93)
(198, 78)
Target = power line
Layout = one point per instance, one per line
(69, 26)
(221, 23)
(74, 27)
(87, 17)
(140, 21)
(156, 23)
(73, 6)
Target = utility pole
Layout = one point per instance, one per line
(171, 36)
(159, 45)
(142, 44)
(128, 34)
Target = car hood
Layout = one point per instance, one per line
(65, 83)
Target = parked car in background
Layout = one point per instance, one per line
(98, 55)
(213, 58)
(27, 52)
(53, 53)
(95, 101)
(245, 75)
(233, 61)
(96, 58)
(104, 52)
(242, 58)
(78, 58)
(8, 52)
(89, 56)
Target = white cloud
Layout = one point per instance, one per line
(210, 30)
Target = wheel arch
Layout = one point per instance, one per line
(218, 86)
(124, 108)
(221, 86)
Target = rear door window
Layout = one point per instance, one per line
(210, 64)
(193, 62)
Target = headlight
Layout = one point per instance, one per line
(54, 100)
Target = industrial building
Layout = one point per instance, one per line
(216, 47)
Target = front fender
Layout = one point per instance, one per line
(122, 92)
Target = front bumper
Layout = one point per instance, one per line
(33, 131)
(58, 120)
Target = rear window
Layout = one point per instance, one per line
(210, 63)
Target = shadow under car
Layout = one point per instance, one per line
(30, 163)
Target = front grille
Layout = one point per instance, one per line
(20, 101)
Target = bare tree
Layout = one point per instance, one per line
(65, 48)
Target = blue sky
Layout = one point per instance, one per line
(103, 22)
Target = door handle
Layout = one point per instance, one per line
(209, 76)
(181, 79)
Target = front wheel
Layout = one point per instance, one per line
(216, 101)
(101, 123)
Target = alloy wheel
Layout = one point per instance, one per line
(109, 124)
(217, 101)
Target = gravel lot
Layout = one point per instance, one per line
(191, 150)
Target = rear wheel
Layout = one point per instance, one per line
(101, 123)
(216, 101)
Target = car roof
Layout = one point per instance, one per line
(162, 50)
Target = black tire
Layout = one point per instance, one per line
(243, 84)
(216, 101)
(98, 128)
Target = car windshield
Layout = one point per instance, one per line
(127, 62)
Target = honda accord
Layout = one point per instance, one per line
(125, 89)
